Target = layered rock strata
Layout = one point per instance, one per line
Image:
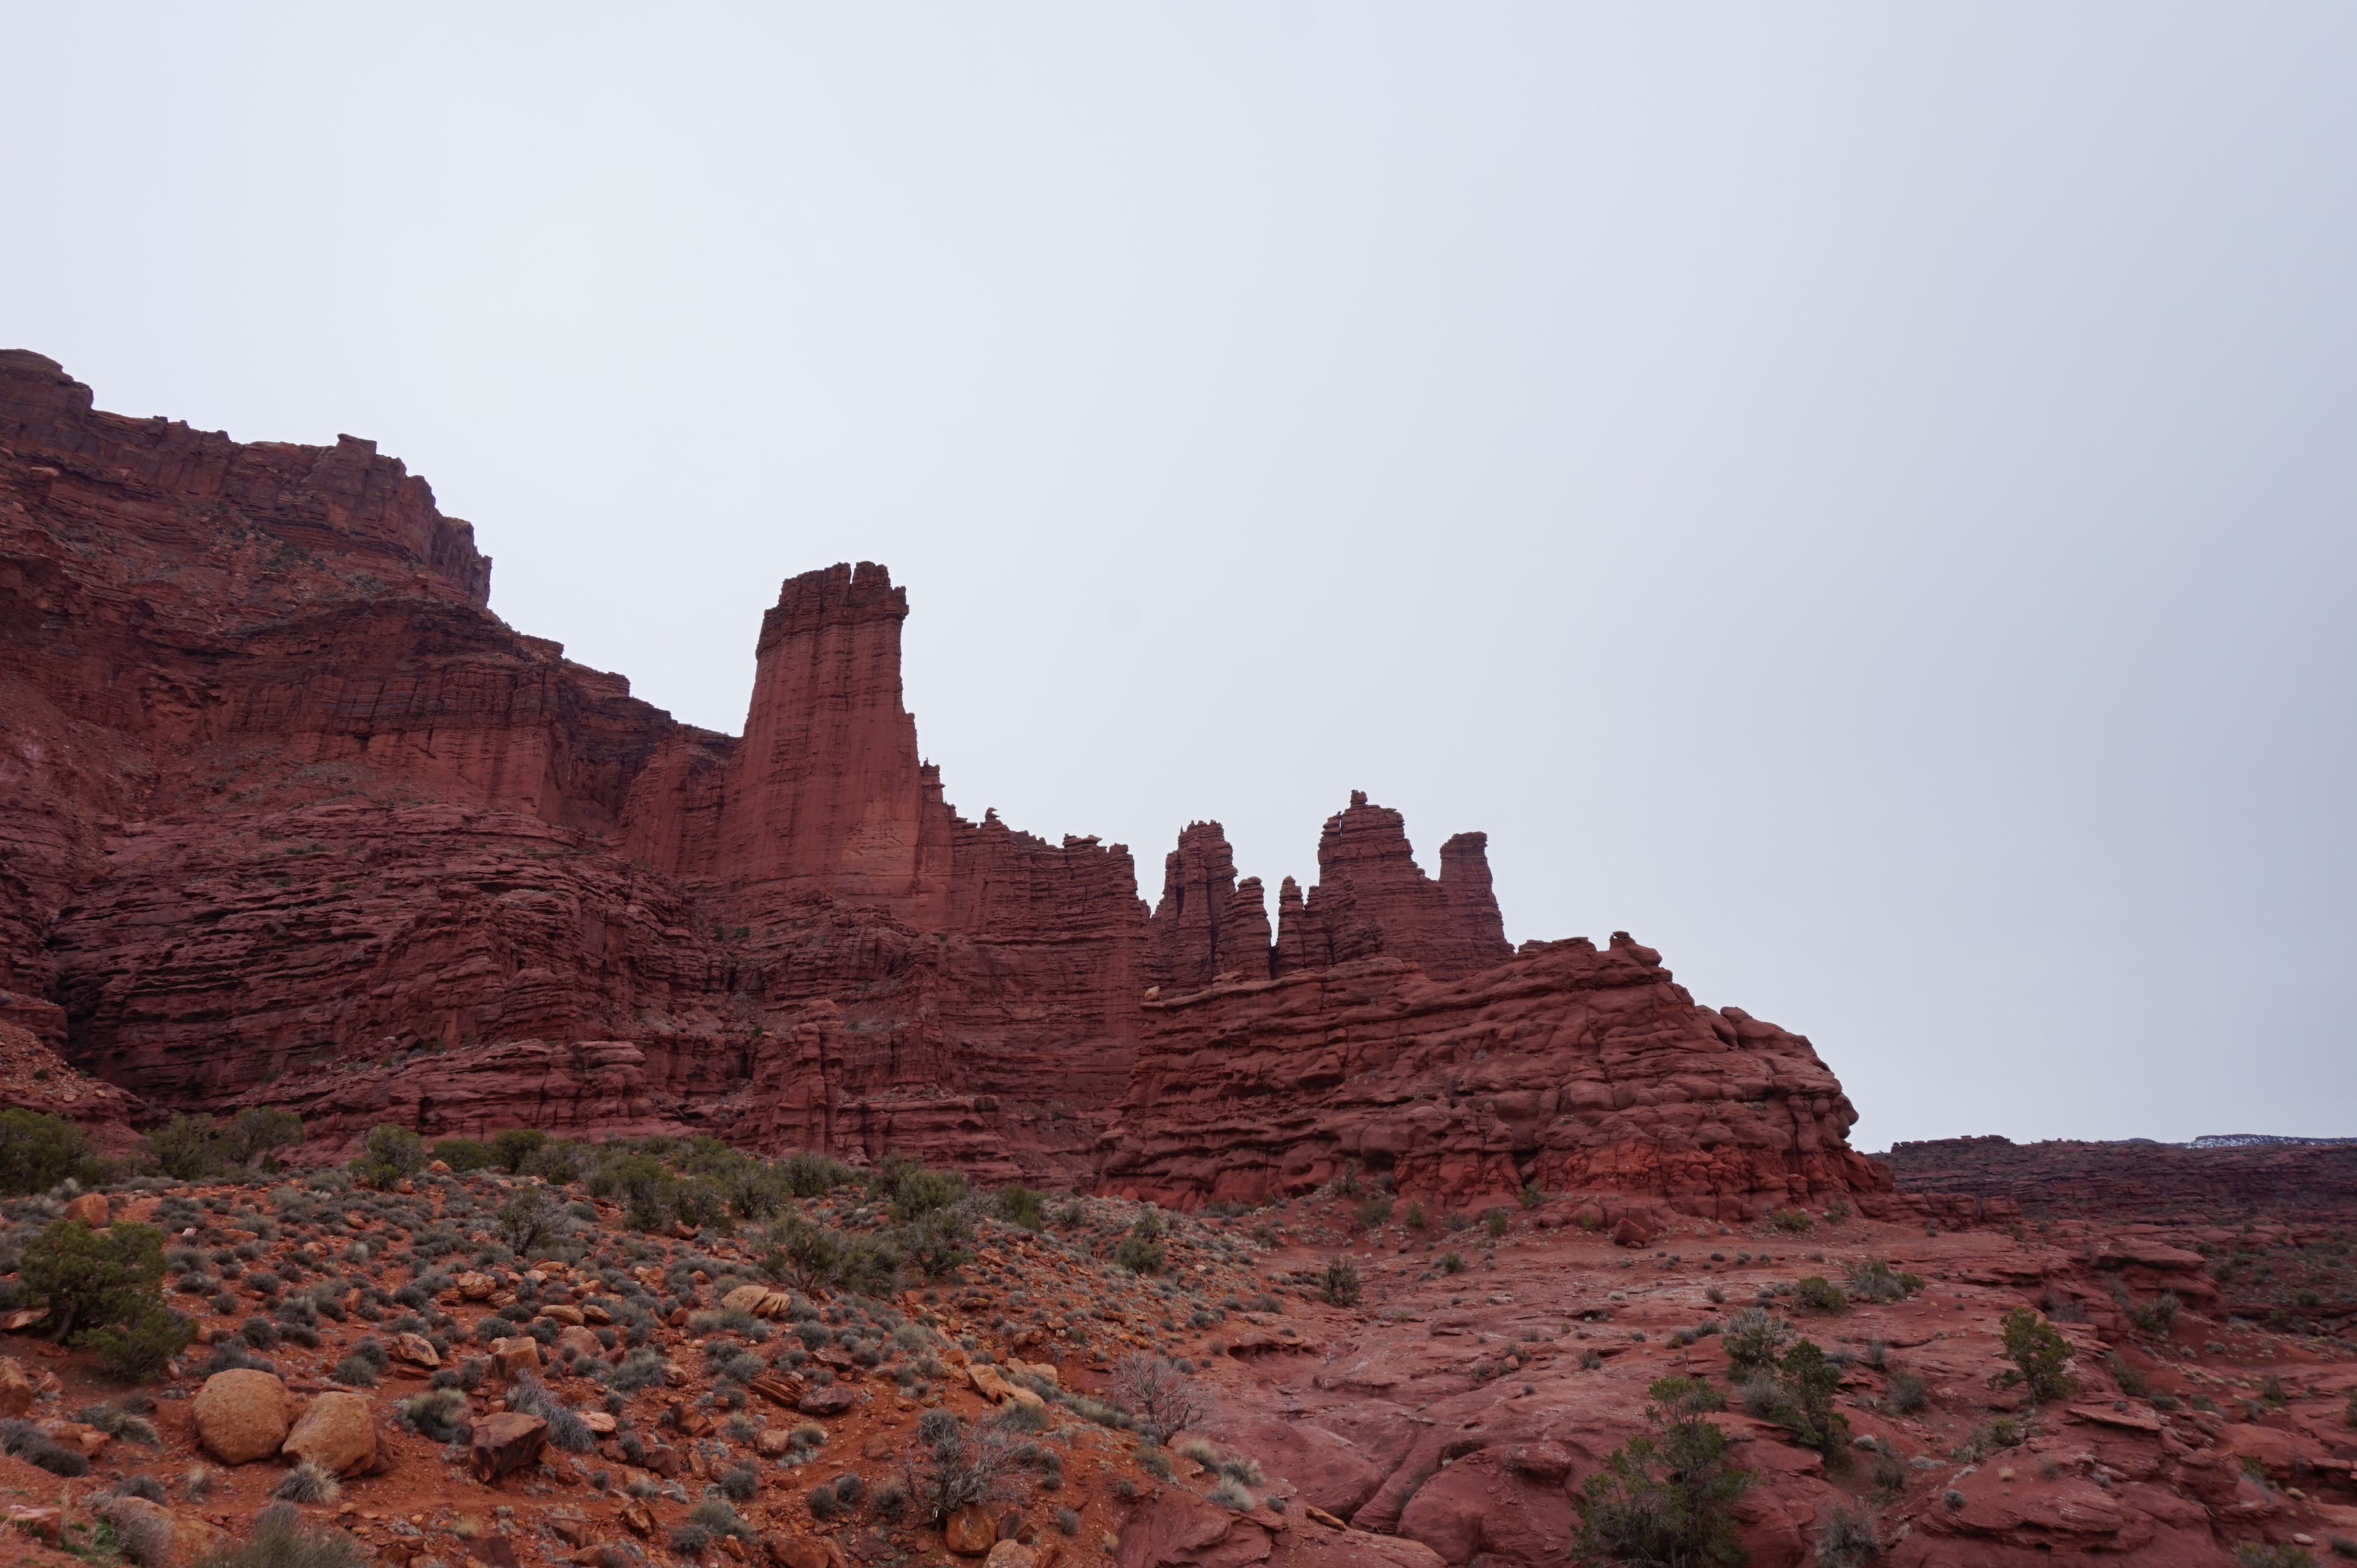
(288, 816)
(1578, 1069)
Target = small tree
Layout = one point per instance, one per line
(192, 1147)
(1754, 1338)
(1667, 1496)
(1164, 1400)
(392, 1154)
(529, 1218)
(1341, 1286)
(39, 1151)
(105, 1289)
(1018, 1205)
(2039, 1353)
(260, 1130)
(1809, 1383)
(513, 1146)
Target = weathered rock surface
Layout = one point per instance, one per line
(242, 1415)
(1580, 1070)
(288, 817)
(336, 1431)
(2065, 1176)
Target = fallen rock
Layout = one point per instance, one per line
(190, 1538)
(802, 1551)
(1010, 1555)
(240, 1415)
(91, 1208)
(336, 1431)
(832, 1400)
(15, 1388)
(506, 1443)
(521, 1354)
(45, 1525)
(416, 1349)
(970, 1531)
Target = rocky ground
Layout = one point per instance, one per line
(1450, 1416)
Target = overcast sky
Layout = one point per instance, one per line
(1860, 497)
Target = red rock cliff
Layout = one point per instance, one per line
(288, 816)
(1585, 1071)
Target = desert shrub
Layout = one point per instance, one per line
(1810, 1383)
(281, 1540)
(143, 1536)
(392, 1154)
(1754, 1337)
(1140, 1254)
(824, 1502)
(2129, 1377)
(934, 1242)
(1230, 1493)
(464, 1154)
(1793, 1221)
(1416, 1219)
(1496, 1224)
(259, 1132)
(1815, 1292)
(27, 1442)
(1018, 1205)
(307, 1483)
(1871, 1278)
(1373, 1212)
(1452, 1263)
(1849, 1537)
(513, 1147)
(105, 1289)
(920, 1192)
(849, 1486)
(527, 1395)
(437, 1413)
(2038, 1354)
(958, 1467)
(1341, 1286)
(529, 1218)
(1164, 1400)
(1068, 1521)
(1906, 1391)
(1533, 1194)
(890, 1499)
(357, 1370)
(1667, 1496)
(2157, 1316)
(191, 1148)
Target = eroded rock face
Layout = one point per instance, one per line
(1583, 1070)
(288, 817)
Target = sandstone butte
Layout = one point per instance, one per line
(288, 816)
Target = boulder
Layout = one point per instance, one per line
(240, 1415)
(584, 1342)
(521, 1354)
(15, 1388)
(785, 1551)
(188, 1538)
(832, 1400)
(337, 1432)
(416, 1349)
(1010, 1555)
(505, 1443)
(970, 1531)
(91, 1208)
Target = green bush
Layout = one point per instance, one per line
(1817, 1294)
(1794, 1220)
(1809, 1383)
(1417, 1219)
(513, 1147)
(191, 1148)
(39, 1151)
(1871, 1278)
(1533, 1194)
(2039, 1353)
(1373, 1212)
(1452, 1263)
(1340, 1287)
(1018, 1205)
(921, 1191)
(1667, 1496)
(464, 1154)
(812, 1176)
(2157, 1316)
(1139, 1254)
(392, 1154)
(105, 1289)
(260, 1132)
(935, 1242)
(1754, 1338)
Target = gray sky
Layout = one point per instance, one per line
(1860, 496)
